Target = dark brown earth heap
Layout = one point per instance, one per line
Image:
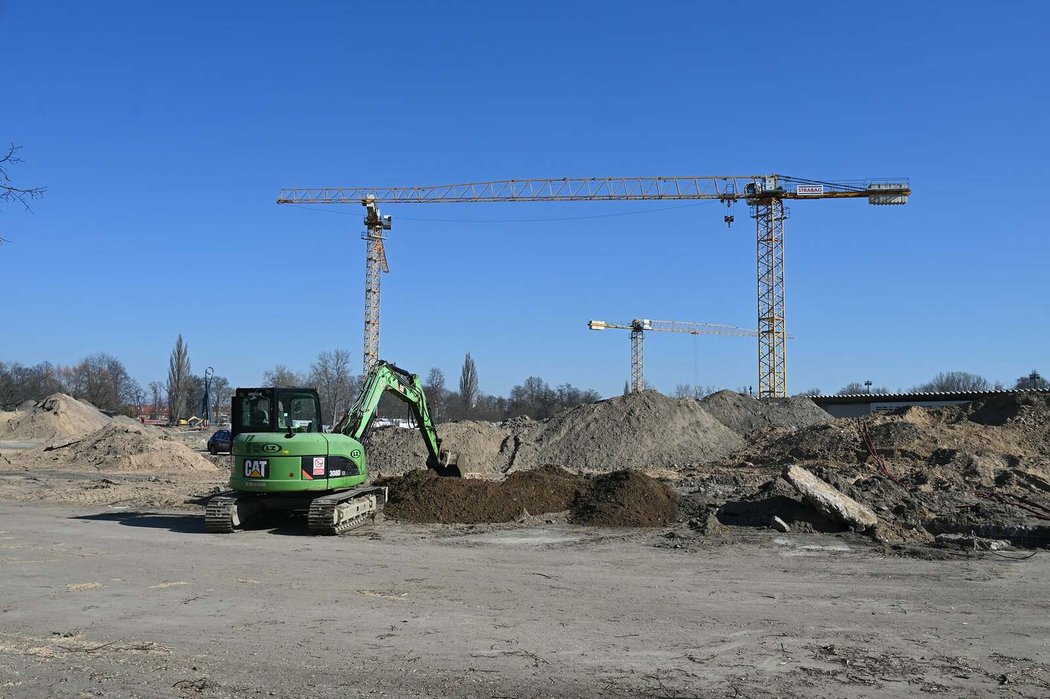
(625, 499)
(618, 499)
(422, 496)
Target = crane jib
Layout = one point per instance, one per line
(765, 194)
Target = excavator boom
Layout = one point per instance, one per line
(384, 377)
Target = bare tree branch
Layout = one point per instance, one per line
(10, 193)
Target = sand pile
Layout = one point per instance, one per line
(58, 418)
(746, 415)
(625, 499)
(123, 447)
(639, 431)
(620, 499)
(395, 450)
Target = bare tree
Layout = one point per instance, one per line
(21, 383)
(156, 393)
(684, 390)
(193, 393)
(1033, 381)
(539, 401)
(437, 394)
(491, 408)
(178, 378)
(949, 381)
(283, 377)
(221, 393)
(856, 388)
(533, 398)
(8, 192)
(330, 375)
(468, 385)
(102, 380)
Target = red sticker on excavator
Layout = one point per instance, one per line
(307, 476)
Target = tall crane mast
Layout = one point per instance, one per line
(765, 194)
(375, 261)
(640, 326)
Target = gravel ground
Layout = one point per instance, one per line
(147, 604)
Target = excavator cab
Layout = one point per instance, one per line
(293, 410)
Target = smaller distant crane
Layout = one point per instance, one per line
(640, 326)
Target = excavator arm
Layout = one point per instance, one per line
(384, 377)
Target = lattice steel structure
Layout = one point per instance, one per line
(637, 360)
(375, 264)
(765, 194)
(770, 214)
(640, 326)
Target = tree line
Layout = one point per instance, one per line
(104, 381)
(99, 378)
(947, 382)
(330, 373)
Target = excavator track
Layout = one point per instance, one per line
(340, 512)
(220, 515)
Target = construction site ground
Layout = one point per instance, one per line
(100, 602)
(625, 548)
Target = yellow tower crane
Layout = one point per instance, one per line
(765, 194)
(640, 326)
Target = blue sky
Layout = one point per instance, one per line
(164, 133)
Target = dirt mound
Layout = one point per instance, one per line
(123, 447)
(395, 450)
(638, 431)
(947, 469)
(625, 499)
(57, 418)
(746, 415)
(641, 431)
(421, 496)
(1027, 408)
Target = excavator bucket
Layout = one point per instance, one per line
(451, 465)
(447, 471)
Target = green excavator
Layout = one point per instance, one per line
(284, 461)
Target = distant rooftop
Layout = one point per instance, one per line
(921, 396)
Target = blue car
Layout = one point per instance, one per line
(220, 441)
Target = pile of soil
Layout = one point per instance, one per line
(58, 418)
(478, 446)
(619, 499)
(645, 430)
(624, 499)
(746, 415)
(422, 496)
(642, 431)
(981, 466)
(123, 447)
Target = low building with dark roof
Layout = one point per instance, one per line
(857, 404)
